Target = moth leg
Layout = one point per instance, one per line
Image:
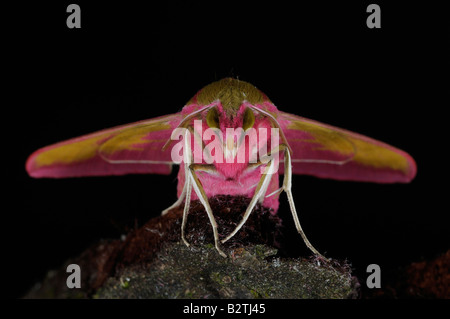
(287, 183)
(178, 202)
(198, 188)
(187, 204)
(263, 193)
(183, 192)
(277, 192)
(187, 187)
(260, 191)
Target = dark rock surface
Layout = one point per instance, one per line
(151, 262)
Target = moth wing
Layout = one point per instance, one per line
(134, 148)
(326, 151)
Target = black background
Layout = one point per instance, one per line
(130, 62)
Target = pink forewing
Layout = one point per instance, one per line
(326, 151)
(134, 148)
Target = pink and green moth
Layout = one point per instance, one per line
(307, 147)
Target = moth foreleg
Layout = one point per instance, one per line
(198, 188)
(187, 204)
(178, 202)
(187, 187)
(260, 191)
(287, 184)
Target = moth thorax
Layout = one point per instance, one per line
(231, 99)
(231, 93)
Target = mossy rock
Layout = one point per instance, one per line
(151, 262)
(249, 272)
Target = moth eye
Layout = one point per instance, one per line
(212, 118)
(249, 119)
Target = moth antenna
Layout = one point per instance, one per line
(283, 137)
(275, 122)
(184, 122)
(305, 160)
(110, 161)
